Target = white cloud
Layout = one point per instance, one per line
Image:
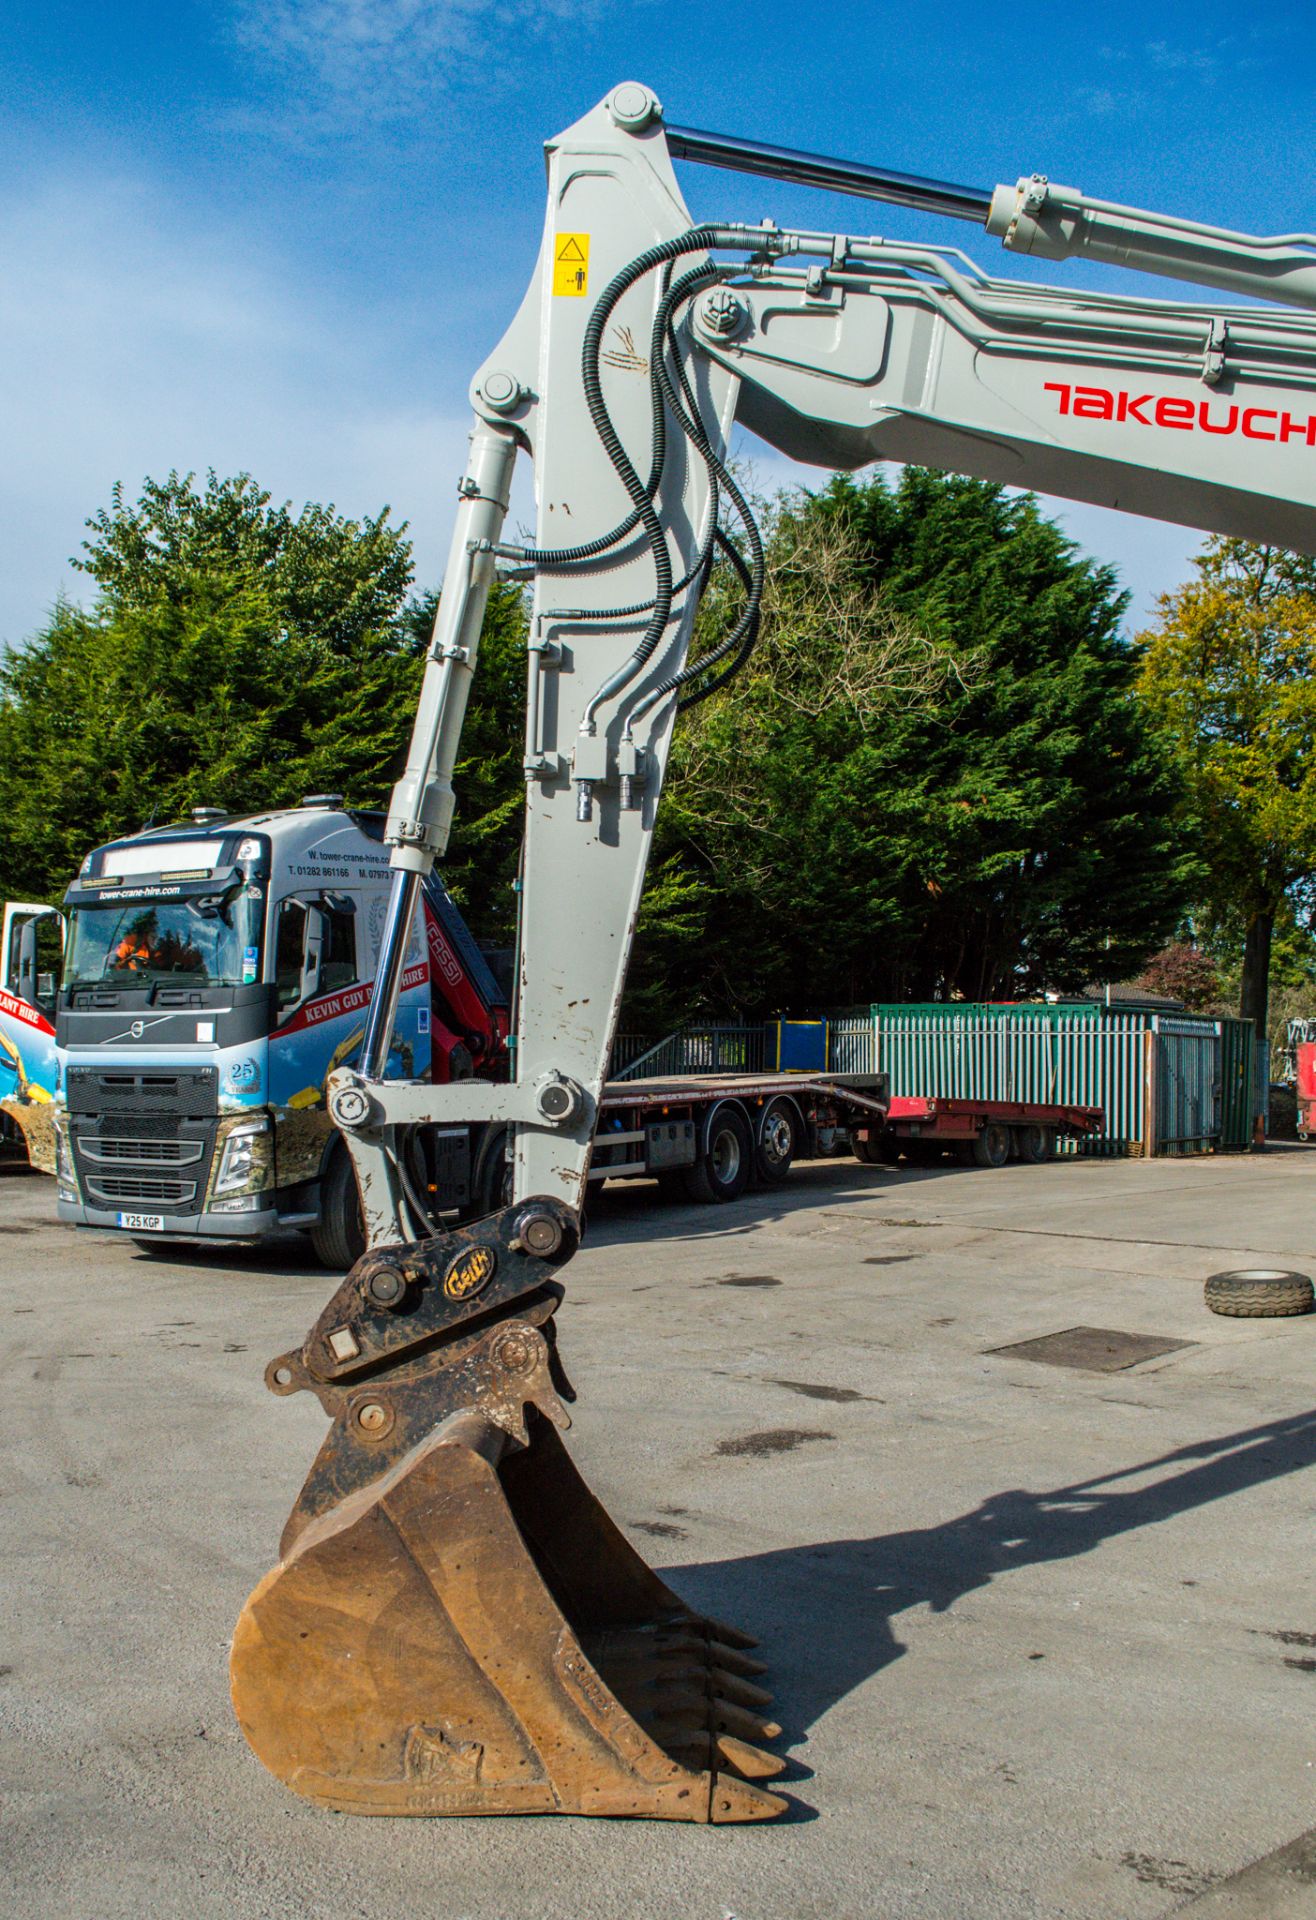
(380, 59)
(137, 340)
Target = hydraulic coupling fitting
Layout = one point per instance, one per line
(589, 765)
(632, 771)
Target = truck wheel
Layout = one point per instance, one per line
(992, 1146)
(723, 1168)
(1036, 1144)
(492, 1187)
(338, 1235)
(774, 1149)
(1259, 1293)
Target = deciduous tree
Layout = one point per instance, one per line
(1230, 674)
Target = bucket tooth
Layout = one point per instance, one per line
(732, 1661)
(734, 1799)
(732, 1719)
(443, 1637)
(752, 1762)
(743, 1692)
(730, 1636)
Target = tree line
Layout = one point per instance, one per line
(945, 772)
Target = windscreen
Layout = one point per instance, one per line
(211, 941)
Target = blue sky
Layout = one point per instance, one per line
(279, 235)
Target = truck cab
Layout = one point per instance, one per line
(217, 971)
(31, 961)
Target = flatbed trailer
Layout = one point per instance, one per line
(711, 1135)
(984, 1133)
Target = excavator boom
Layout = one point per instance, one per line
(455, 1625)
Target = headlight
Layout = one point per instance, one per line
(66, 1179)
(246, 1160)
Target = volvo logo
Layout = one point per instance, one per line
(137, 1029)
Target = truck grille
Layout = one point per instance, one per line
(143, 1139)
(178, 1153)
(192, 1094)
(161, 1191)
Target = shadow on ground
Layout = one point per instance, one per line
(850, 1591)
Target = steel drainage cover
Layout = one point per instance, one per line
(1094, 1349)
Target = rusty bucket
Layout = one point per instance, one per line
(456, 1626)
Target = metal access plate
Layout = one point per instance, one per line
(1094, 1349)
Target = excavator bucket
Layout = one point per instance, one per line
(456, 1626)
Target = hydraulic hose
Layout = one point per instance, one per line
(694, 240)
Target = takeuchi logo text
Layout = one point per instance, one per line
(1184, 416)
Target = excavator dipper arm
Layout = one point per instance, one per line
(455, 1625)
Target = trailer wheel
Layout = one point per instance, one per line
(774, 1150)
(923, 1153)
(1259, 1293)
(880, 1149)
(339, 1236)
(1036, 1144)
(726, 1159)
(991, 1148)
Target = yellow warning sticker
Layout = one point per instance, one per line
(571, 263)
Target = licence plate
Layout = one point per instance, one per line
(142, 1222)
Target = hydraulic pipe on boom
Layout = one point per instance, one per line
(455, 1625)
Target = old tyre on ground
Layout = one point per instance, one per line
(725, 1159)
(1259, 1293)
(338, 1236)
(1035, 1144)
(776, 1142)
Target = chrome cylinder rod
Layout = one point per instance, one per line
(835, 176)
(382, 1011)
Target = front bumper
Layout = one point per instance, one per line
(189, 1226)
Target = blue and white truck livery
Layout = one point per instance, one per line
(216, 971)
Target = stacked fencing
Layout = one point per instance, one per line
(1159, 1080)
(1165, 1083)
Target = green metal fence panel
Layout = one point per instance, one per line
(1058, 1054)
(1187, 1085)
(1082, 1055)
(1238, 1040)
(850, 1044)
(696, 1050)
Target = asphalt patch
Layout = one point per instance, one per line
(772, 1440)
(811, 1391)
(749, 1280)
(1093, 1349)
(661, 1529)
(1175, 1876)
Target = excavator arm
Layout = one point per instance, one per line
(455, 1624)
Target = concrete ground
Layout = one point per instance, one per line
(1043, 1639)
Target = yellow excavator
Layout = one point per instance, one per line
(454, 1624)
